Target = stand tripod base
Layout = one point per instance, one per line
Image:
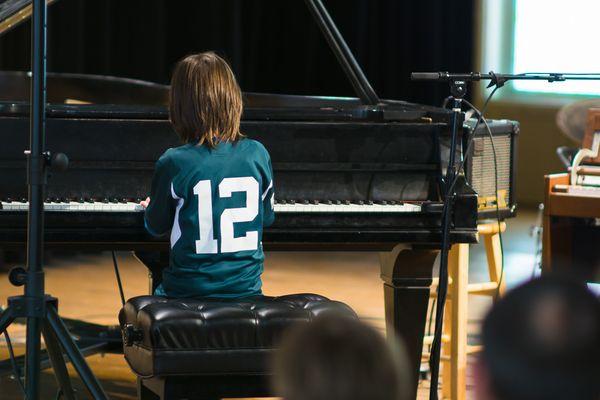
(58, 341)
(90, 338)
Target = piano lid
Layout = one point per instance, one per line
(101, 96)
(97, 96)
(13, 12)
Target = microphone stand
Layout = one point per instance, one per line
(500, 79)
(35, 305)
(458, 89)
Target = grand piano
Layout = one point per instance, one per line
(350, 173)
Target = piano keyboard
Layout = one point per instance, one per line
(73, 206)
(592, 191)
(577, 190)
(346, 208)
(280, 207)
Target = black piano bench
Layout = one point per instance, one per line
(211, 348)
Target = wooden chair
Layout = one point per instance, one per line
(454, 340)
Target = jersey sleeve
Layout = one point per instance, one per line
(268, 194)
(159, 215)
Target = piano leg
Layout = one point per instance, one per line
(155, 261)
(407, 273)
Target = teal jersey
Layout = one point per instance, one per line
(215, 202)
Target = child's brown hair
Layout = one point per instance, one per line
(205, 100)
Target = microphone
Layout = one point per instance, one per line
(425, 76)
(500, 79)
(447, 76)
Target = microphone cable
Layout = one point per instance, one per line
(13, 363)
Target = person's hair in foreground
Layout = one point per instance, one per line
(542, 341)
(340, 358)
(205, 100)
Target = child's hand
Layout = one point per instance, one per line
(145, 203)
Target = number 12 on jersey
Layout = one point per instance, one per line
(207, 244)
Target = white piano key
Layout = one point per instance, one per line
(279, 208)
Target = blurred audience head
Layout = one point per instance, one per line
(340, 358)
(542, 341)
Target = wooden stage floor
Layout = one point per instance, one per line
(87, 290)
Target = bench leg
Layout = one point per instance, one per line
(145, 393)
(167, 389)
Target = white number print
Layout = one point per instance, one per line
(229, 243)
(207, 244)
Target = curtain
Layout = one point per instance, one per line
(273, 45)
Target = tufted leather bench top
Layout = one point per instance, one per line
(165, 336)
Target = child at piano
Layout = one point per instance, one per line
(215, 192)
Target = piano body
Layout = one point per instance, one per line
(350, 174)
(344, 173)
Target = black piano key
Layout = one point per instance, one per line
(8, 200)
